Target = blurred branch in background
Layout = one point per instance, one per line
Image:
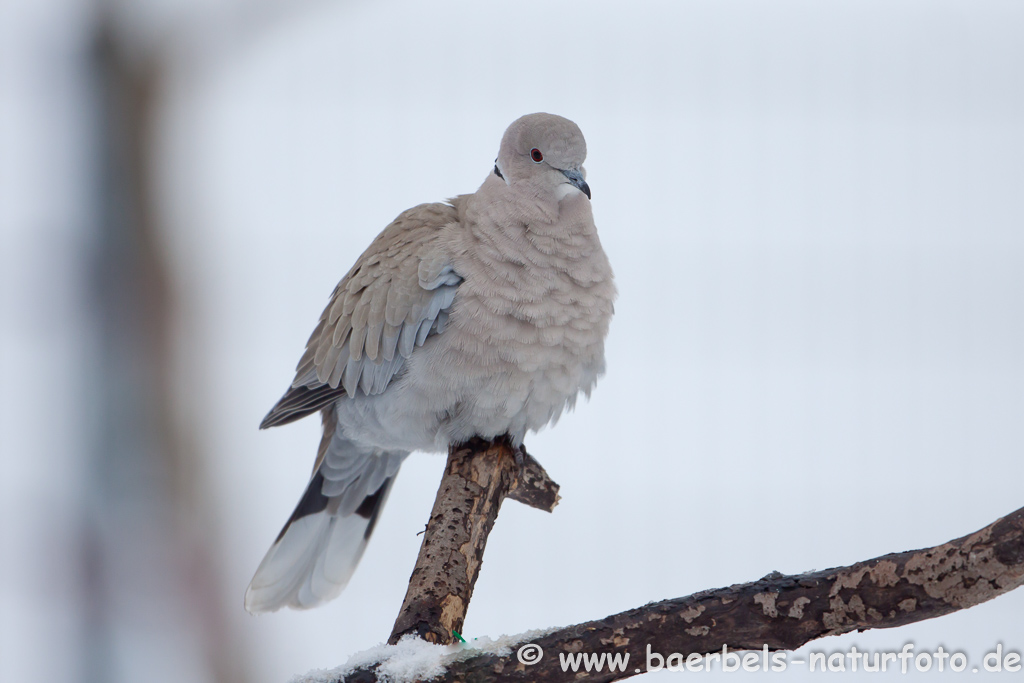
(152, 591)
(149, 551)
(114, 566)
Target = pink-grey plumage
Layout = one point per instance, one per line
(482, 316)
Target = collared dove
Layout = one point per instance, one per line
(482, 316)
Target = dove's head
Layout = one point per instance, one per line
(543, 153)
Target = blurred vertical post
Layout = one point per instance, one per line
(151, 607)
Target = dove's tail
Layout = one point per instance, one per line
(319, 547)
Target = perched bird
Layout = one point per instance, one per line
(482, 316)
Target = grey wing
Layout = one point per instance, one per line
(395, 297)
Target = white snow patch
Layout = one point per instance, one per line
(414, 659)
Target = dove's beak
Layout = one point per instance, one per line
(577, 181)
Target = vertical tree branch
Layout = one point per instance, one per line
(479, 475)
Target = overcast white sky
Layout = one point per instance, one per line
(814, 211)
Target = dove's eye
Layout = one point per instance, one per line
(536, 155)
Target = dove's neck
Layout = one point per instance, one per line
(560, 210)
(500, 227)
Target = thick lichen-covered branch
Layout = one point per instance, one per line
(777, 611)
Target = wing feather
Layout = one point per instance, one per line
(396, 295)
